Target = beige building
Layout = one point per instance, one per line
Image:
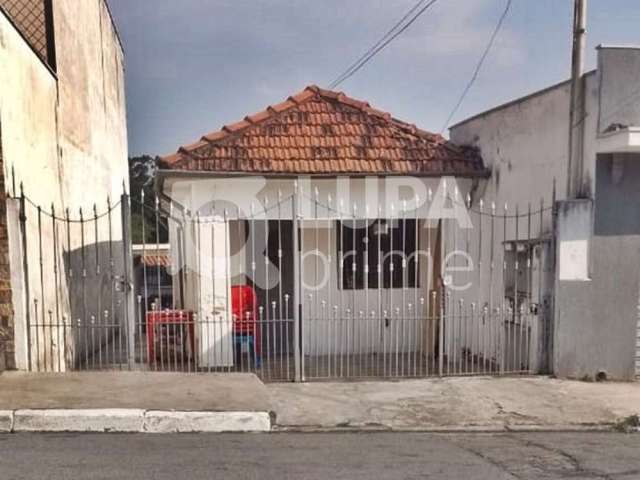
(63, 136)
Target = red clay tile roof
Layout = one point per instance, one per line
(324, 132)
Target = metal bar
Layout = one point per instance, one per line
(112, 279)
(441, 335)
(516, 306)
(366, 272)
(351, 325)
(127, 259)
(296, 282)
(382, 344)
(394, 337)
(42, 306)
(316, 323)
(331, 318)
(83, 288)
(54, 230)
(504, 327)
(541, 317)
(97, 274)
(342, 283)
(417, 324)
(282, 319)
(403, 266)
(22, 217)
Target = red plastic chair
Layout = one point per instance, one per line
(244, 308)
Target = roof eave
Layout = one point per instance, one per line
(166, 173)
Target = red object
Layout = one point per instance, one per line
(157, 319)
(244, 308)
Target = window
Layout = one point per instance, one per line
(34, 21)
(365, 245)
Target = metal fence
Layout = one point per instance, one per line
(299, 287)
(75, 282)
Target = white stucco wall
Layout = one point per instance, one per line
(619, 71)
(525, 145)
(319, 233)
(64, 138)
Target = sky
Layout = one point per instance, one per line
(193, 66)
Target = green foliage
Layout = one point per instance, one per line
(142, 174)
(628, 424)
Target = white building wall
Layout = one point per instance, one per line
(406, 328)
(64, 138)
(525, 145)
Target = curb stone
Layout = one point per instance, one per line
(131, 421)
(6, 421)
(178, 422)
(80, 420)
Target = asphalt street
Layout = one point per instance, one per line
(611, 456)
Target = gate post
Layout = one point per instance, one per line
(443, 297)
(127, 284)
(296, 286)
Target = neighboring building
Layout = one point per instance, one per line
(152, 277)
(596, 274)
(63, 138)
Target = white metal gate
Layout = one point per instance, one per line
(299, 287)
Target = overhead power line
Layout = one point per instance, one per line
(384, 37)
(479, 66)
(387, 38)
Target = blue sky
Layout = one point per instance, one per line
(193, 66)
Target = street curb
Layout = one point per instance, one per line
(81, 420)
(6, 421)
(446, 429)
(131, 420)
(179, 422)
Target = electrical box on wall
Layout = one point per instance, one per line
(574, 231)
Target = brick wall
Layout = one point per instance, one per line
(7, 357)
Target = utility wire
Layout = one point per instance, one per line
(383, 42)
(479, 66)
(384, 37)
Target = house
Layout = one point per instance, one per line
(151, 266)
(347, 186)
(594, 273)
(63, 151)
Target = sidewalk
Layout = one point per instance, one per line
(133, 402)
(174, 402)
(454, 404)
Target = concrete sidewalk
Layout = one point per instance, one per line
(455, 404)
(174, 402)
(133, 402)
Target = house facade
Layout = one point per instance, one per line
(63, 144)
(353, 231)
(595, 271)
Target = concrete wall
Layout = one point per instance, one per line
(596, 319)
(619, 71)
(65, 137)
(525, 144)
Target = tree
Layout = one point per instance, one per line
(142, 174)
